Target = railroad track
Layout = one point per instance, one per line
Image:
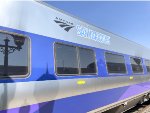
(140, 108)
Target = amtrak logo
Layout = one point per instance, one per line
(66, 25)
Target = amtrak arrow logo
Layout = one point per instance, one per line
(64, 24)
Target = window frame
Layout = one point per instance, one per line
(28, 57)
(78, 61)
(113, 74)
(141, 65)
(145, 65)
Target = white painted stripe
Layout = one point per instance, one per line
(36, 18)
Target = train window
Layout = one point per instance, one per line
(147, 63)
(115, 63)
(66, 59)
(136, 64)
(14, 55)
(71, 60)
(87, 61)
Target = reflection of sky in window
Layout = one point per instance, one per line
(86, 58)
(66, 56)
(136, 61)
(147, 62)
(17, 58)
(112, 58)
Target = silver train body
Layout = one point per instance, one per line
(45, 26)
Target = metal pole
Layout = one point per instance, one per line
(6, 57)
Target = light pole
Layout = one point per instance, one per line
(6, 49)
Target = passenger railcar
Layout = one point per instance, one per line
(52, 62)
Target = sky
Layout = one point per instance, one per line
(128, 19)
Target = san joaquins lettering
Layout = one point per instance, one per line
(93, 35)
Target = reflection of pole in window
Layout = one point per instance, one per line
(6, 49)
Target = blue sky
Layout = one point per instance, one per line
(127, 19)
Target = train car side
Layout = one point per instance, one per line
(48, 84)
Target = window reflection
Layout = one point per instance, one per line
(71, 60)
(13, 54)
(66, 59)
(115, 63)
(136, 64)
(147, 63)
(87, 61)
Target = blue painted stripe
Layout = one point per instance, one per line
(42, 60)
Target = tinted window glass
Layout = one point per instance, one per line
(66, 59)
(136, 64)
(115, 63)
(13, 54)
(87, 61)
(147, 63)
